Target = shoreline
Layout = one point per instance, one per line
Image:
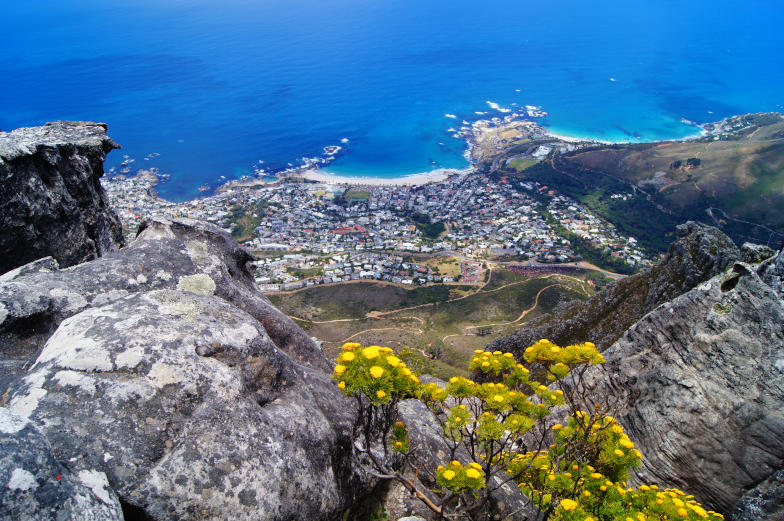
(313, 173)
(417, 179)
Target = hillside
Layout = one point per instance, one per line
(740, 176)
(733, 180)
(441, 325)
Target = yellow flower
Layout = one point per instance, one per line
(618, 453)
(627, 444)
(381, 393)
(682, 512)
(454, 380)
(557, 427)
(473, 473)
(340, 369)
(398, 424)
(508, 355)
(602, 488)
(376, 371)
(478, 352)
(348, 356)
(485, 364)
(476, 465)
(568, 504)
(596, 475)
(348, 346)
(406, 371)
(393, 361)
(587, 494)
(575, 467)
(342, 385)
(617, 429)
(370, 352)
(398, 444)
(448, 475)
(498, 398)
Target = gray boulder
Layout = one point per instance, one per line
(34, 486)
(164, 367)
(51, 199)
(700, 386)
(184, 254)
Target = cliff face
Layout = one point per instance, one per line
(162, 371)
(699, 384)
(51, 199)
(699, 253)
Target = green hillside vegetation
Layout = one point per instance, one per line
(742, 175)
(429, 229)
(450, 322)
(636, 216)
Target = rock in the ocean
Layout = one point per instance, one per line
(699, 253)
(34, 486)
(51, 199)
(700, 386)
(164, 367)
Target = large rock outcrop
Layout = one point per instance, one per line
(700, 387)
(699, 253)
(34, 486)
(162, 366)
(51, 200)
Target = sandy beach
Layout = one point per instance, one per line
(422, 178)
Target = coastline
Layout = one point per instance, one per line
(474, 137)
(418, 179)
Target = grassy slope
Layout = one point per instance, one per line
(445, 325)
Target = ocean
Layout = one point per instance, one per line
(221, 90)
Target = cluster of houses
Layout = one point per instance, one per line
(310, 233)
(279, 273)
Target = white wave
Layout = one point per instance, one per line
(451, 116)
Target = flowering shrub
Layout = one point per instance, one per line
(502, 430)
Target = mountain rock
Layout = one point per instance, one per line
(34, 486)
(51, 200)
(765, 502)
(162, 366)
(186, 255)
(699, 253)
(699, 384)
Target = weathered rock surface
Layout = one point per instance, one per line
(765, 502)
(700, 384)
(51, 199)
(186, 255)
(34, 486)
(699, 253)
(162, 366)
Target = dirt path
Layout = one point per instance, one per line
(412, 329)
(381, 314)
(518, 319)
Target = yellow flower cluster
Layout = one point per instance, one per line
(495, 362)
(375, 372)
(457, 477)
(545, 351)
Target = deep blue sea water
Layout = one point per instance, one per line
(216, 87)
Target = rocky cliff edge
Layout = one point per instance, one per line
(51, 199)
